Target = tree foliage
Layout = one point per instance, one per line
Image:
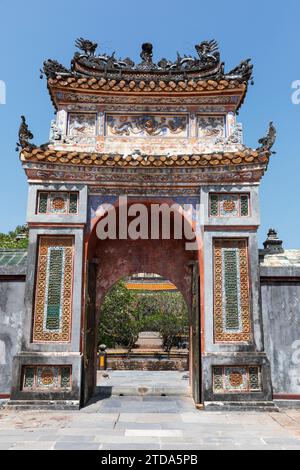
(119, 323)
(167, 314)
(124, 314)
(16, 239)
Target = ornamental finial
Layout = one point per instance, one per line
(147, 52)
(273, 245)
(25, 135)
(268, 141)
(88, 47)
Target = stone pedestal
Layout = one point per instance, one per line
(149, 340)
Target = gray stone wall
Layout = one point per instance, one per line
(280, 295)
(11, 315)
(280, 299)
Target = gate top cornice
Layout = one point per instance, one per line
(46, 163)
(168, 122)
(103, 74)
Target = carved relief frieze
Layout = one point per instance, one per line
(211, 128)
(147, 125)
(81, 126)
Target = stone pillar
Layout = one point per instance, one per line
(234, 364)
(49, 366)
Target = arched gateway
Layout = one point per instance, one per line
(148, 138)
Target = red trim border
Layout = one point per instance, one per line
(286, 397)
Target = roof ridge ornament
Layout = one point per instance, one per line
(208, 52)
(147, 56)
(52, 68)
(244, 70)
(25, 135)
(206, 66)
(269, 140)
(87, 46)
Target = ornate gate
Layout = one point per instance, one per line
(161, 132)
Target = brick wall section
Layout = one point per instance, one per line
(167, 258)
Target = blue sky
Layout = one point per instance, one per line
(266, 31)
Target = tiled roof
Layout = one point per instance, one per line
(290, 258)
(142, 87)
(13, 257)
(13, 262)
(153, 286)
(244, 157)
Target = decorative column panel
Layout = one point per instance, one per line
(53, 295)
(232, 316)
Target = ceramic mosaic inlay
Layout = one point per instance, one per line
(146, 125)
(232, 320)
(28, 381)
(47, 377)
(229, 205)
(244, 202)
(57, 203)
(232, 379)
(53, 304)
(42, 203)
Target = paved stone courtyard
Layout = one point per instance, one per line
(147, 423)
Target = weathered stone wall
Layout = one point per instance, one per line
(280, 294)
(11, 314)
(280, 297)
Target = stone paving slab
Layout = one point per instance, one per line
(143, 383)
(124, 423)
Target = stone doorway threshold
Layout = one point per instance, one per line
(143, 383)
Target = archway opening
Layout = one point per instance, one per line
(143, 338)
(110, 260)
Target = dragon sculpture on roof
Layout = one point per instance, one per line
(206, 65)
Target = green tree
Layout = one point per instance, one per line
(119, 323)
(166, 313)
(174, 319)
(124, 314)
(17, 239)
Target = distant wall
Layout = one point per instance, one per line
(280, 294)
(12, 290)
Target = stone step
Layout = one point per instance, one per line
(261, 406)
(142, 390)
(41, 405)
(287, 404)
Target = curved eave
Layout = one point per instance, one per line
(244, 157)
(179, 89)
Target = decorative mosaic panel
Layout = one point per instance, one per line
(232, 318)
(82, 125)
(47, 378)
(211, 128)
(53, 302)
(73, 203)
(28, 379)
(232, 379)
(244, 205)
(146, 125)
(58, 203)
(42, 203)
(229, 205)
